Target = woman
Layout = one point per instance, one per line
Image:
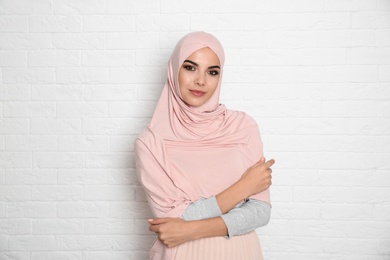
(201, 165)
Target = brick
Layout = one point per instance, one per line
(3, 243)
(15, 92)
(111, 23)
(108, 193)
(122, 40)
(320, 194)
(382, 37)
(57, 92)
(34, 243)
(25, 41)
(15, 255)
(370, 19)
(52, 58)
(74, 109)
(111, 92)
(123, 176)
(132, 242)
(114, 255)
(135, 75)
(120, 109)
(112, 126)
(368, 55)
(31, 176)
(28, 75)
(83, 210)
(108, 58)
(348, 212)
(82, 75)
(382, 144)
(58, 160)
(348, 109)
(222, 22)
(55, 24)
(111, 226)
(13, 24)
(57, 226)
(268, 21)
(15, 159)
(160, 23)
(144, 40)
(150, 58)
(14, 126)
(130, 7)
(349, 5)
(55, 126)
(383, 73)
(349, 246)
(323, 21)
(15, 193)
(56, 193)
(278, 228)
(15, 226)
(82, 143)
(75, 7)
(86, 242)
(13, 58)
(82, 176)
(122, 143)
(368, 178)
(63, 255)
(30, 109)
(39, 7)
(346, 38)
(29, 209)
(370, 195)
(79, 41)
(109, 160)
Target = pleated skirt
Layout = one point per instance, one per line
(245, 247)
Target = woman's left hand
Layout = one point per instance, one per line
(171, 231)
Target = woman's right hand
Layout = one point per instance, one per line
(257, 178)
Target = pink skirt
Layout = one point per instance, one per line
(218, 248)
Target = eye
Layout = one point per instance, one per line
(189, 67)
(214, 72)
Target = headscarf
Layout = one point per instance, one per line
(187, 153)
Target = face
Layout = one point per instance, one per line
(199, 76)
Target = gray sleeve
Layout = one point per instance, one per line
(203, 208)
(250, 215)
(242, 219)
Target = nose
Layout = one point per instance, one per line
(200, 79)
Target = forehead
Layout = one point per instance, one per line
(205, 56)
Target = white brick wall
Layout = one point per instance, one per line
(79, 80)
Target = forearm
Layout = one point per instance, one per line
(212, 227)
(230, 197)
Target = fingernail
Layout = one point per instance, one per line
(150, 220)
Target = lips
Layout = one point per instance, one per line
(197, 93)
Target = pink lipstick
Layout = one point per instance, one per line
(197, 93)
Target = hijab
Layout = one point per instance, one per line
(168, 152)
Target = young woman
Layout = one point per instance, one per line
(201, 165)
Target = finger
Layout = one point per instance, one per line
(269, 163)
(154, 228)
(157, 221)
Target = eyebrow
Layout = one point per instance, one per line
(196, 64)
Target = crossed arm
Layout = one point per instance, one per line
(175, 231)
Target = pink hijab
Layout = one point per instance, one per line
(187, 153)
